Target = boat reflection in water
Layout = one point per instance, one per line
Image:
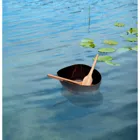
(84, 99)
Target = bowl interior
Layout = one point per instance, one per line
(78, 72)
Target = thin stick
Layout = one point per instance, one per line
(89, 20)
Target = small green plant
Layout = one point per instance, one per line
(134, 48)
(112, 63)
(132, 31)
(106, 50)
(104, 58)
(124, 49)
(119, 24)
(134, 39)
(107, 60)
(110, 42)
(87, 43)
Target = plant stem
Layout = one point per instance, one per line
(89, 20)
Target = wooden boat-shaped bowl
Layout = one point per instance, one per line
(78, 72)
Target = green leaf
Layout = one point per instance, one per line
(87, 40)
(132, 31)
(112, 63)
(119, 24)
(104, 50)
(124, 49)
(134, 48)
(110, 42)
(104, 58)
(87, 43)
(134, 39)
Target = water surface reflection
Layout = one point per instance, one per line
(84, 99)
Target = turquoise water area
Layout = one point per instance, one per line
(43, 36)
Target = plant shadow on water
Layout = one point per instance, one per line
(83, 99)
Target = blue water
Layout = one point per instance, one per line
(41, 37)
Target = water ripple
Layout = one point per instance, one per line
(41, 37)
